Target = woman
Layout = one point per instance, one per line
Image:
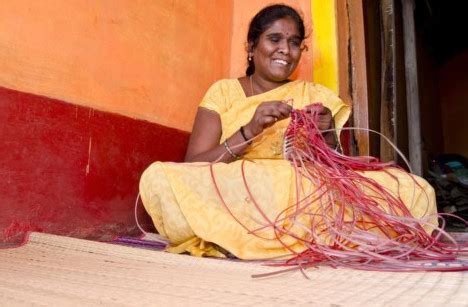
(240, 125)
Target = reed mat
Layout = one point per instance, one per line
(55, 271)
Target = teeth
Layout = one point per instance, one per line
(282, 62)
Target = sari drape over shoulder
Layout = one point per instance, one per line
(185, 204)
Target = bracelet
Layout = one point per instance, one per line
(243, 135)
(229, 150)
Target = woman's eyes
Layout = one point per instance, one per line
(293, 42)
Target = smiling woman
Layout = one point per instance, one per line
(236, 174)
(274, 41)
(276, 54)
(278, 45)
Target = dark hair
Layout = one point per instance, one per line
(263, 20)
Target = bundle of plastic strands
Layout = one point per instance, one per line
(350, 219)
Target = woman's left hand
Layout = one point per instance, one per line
(325, 122)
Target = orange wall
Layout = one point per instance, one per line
(145, 59)
(244, 11)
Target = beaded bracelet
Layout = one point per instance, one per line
(229, 150)
(243, 135)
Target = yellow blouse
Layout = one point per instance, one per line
(227, 98)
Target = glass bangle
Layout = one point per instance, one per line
(244, 136)
(229, 150)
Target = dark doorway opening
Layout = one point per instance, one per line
(442, 54)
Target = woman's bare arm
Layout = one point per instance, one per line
(207, 130)
(206, 135)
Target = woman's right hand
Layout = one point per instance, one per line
(266, 115)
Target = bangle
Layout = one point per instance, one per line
(229, 150)
(249, 141)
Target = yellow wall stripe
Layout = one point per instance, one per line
(324, 44)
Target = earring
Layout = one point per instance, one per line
(250, 56)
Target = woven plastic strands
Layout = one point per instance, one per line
(353, 221)
(345, 218)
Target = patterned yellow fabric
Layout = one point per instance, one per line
(183, 202)
(227, 98)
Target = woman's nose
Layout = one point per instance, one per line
(283, 47)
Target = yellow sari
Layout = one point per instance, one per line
(185, 206)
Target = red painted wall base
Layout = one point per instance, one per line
(73, 170)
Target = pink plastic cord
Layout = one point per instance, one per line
(347, 226)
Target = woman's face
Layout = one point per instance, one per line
(278, 51)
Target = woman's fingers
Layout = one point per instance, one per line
(267, 114)
(269, 120)
(271, 117)
(324, 115)
(276, 109)
(325, 119)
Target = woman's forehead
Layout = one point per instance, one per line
(285, 26)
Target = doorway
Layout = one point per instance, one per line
(442, 55)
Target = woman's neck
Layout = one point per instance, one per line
(260, 85)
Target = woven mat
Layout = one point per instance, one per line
(53, 270)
